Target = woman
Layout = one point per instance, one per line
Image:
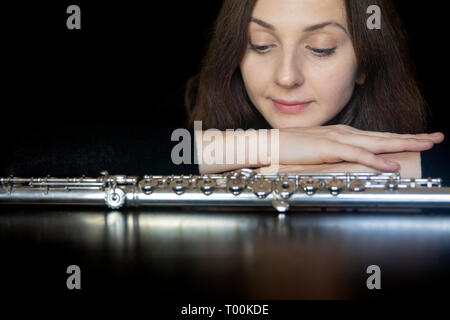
(343, 96)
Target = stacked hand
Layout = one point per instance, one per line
(340, 143)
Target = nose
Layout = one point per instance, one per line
(288, 74)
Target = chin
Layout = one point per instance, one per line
(284, 124)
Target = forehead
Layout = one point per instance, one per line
(300, 13)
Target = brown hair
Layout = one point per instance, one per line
(389, 99)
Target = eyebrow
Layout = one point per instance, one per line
(307, 29)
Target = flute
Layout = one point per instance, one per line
(242, 187)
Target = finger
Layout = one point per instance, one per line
(360, 155)
(382, 145)
(436, 137)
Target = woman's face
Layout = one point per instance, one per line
(300, 67)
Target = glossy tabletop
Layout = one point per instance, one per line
(227, 253)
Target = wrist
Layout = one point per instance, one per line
(272, 148)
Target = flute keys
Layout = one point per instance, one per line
(280, 205)
(391, 184)
(309, 185)
(285, 188)
(115, 198)
(335, 185)
(235, 184)
(357, 185)
(148, 185)
(261, 187)
(207, 186)
(179, 186)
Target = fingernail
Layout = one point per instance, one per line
(436, 134)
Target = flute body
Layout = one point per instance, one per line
(238, 188)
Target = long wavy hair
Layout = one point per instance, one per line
(390, 99)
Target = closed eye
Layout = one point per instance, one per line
(322, 52)
(259, 49)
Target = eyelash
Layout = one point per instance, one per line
(322, 52)
(318, 52)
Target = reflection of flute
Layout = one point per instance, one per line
(238, 188)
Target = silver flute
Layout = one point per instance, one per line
(243, 187)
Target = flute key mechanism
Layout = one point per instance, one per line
(261, 187)
(115, 198)
(242, 187)
(206, 185)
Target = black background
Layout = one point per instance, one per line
(128, 64)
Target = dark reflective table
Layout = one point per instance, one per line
(227, 253)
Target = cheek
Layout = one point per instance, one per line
(256, 78)
(333, 82)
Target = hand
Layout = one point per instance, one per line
(409, 161)
(338, 143)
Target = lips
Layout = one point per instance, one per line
(290, 107)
